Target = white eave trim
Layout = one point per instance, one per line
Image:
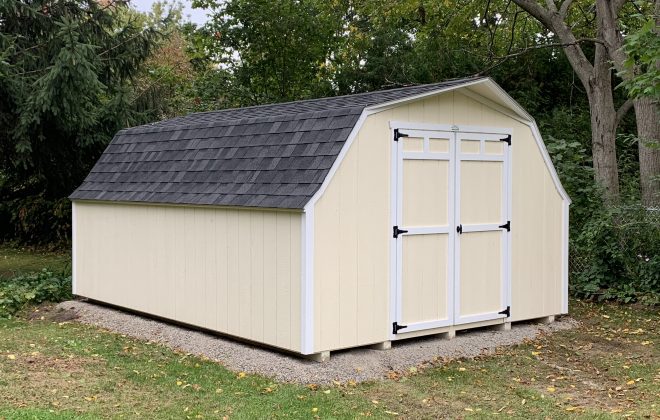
(529, 120)
(390, 104)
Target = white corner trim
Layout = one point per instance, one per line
(565, 233)
(74, 221)
(307, 295)
(307, 278)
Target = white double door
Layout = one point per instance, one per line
(451, 199)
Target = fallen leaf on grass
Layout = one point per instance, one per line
(11, 357)
(392, 375)
(551, 389)
(241, 375)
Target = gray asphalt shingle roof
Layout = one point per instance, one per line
(273, 156)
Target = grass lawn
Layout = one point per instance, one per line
(15, 261)
(607, 368)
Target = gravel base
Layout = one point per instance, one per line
(357, 365)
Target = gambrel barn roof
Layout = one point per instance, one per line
(269, 156)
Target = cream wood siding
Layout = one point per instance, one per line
(353, 229)
(228, 270)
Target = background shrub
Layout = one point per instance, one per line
(33, 288)
(614, 251)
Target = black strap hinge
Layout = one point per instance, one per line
(396, 231)
(506, 226)
(396, 327)
(507, 139)
(506, 312)
(459, 229)
(398, 134)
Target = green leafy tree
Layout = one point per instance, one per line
(66, 74)
(275, 50)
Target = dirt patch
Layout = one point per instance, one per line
(58, 377)
(355, 365)
(51, 312)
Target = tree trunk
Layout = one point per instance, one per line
(603, 141)
(603, 125)
(648, 133)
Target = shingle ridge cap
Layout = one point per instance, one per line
(152, 128)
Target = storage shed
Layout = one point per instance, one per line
(331, 223)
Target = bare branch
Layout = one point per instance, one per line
(501, 60)
(513, 31)
(636, 7)
(607, 25)
(621, 112)
(551, 5)
(551, 20)
(536, 10)
(563, 9)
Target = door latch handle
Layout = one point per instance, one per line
(398, 231)
(459, 229)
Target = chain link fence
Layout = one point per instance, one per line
(578, 261)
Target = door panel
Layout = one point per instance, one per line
(470, 146)
(481, 192)
(424, 291)
(481, 278)
(425, 192)
(413, 144)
